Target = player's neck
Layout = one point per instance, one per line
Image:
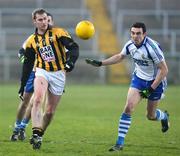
(41, 31)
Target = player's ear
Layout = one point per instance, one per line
(34, 22)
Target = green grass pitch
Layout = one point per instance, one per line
(86, 123)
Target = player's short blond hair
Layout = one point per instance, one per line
(38, 11)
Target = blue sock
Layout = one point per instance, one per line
(24, 123)
(17, 125)
(124, 124)
(160, 115)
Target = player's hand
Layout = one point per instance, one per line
(20, 92)
(146, 92)
(21, 57)
(69, 66)
(95, 63)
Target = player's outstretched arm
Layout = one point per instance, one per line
(117, 58)
(92, 62)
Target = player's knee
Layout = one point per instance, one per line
(37, 101)
(50, 111)
(129, 108)
(49, 115)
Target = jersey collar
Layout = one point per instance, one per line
(142, 43)
(49, 28)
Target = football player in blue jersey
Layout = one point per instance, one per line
(148, 79)
(24, 110)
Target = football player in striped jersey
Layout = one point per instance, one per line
(24, 110)
(48, 47)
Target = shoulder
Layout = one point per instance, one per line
(154, 44)
(154, 50)
(60, 32)
(126, 49)
(128, 43)
(28, 41)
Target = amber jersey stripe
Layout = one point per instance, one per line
(50, 52)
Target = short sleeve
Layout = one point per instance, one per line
(125, 50)
(62, 32)
(156, 52)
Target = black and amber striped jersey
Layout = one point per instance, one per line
(49, 48)
(49, 51)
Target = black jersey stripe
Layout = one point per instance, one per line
(61, 51)
(44, 43)
(54, 50)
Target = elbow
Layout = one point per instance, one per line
(77, 51)
(74, 53)
(166, 70)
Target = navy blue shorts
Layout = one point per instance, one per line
(29, 88)
(141, 84)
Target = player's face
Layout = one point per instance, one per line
(50, 21)
(137, 35)
(41, 22)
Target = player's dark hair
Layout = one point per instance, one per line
(38, 11)
(139, 25)
(49, 14)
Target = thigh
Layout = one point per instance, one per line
(133, 98)
(40, 87)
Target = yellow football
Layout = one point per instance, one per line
(85, 29)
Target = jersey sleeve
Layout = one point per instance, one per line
(29, 54)
(156, 52)
(125, 49)
(62, 32)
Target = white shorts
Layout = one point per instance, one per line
(56, 80)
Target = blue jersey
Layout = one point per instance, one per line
(29, 88)
(146, 57)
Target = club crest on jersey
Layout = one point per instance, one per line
(51, 39)
(134, 51)
(47, 53)
(143, 56)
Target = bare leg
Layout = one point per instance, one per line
(158, 115)
(50, 107)
(17, 132)
(133, 99)
(39, 121)
(23, 105)
(40, 88)
(28, 110)
(151, 109)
